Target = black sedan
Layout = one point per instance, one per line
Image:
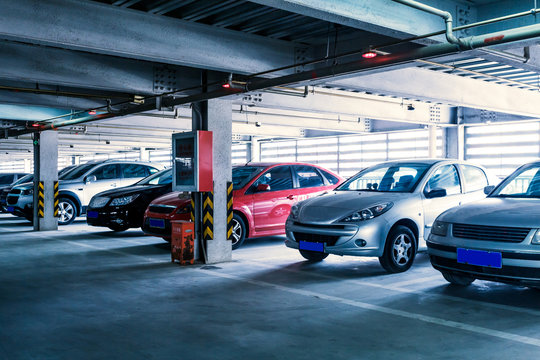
(123, 208)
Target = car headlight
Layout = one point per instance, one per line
(294, 211)
(124, 200)
(536, 238)
(98, 202)
(184, 210)
(28, 191)
(439, 228)
(368, 213)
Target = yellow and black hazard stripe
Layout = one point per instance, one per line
(41, 200)
(192, 210)
(56, 199)
(229, 210)
(208, 216)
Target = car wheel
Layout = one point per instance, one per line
(118, 228)
(399, 250)
(67, 211)
(457, 279)
(238, 231)
(313, 256)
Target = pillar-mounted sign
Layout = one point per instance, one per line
(192, 161)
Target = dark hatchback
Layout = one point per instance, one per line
(123, 208)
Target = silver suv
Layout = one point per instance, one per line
(77, 186)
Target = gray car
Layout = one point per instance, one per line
(77, 186)
(385, 210)
(497, 238)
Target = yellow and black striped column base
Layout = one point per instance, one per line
(229, 210)
(56, 199)
(208, 216)
(41, 200)
(192, 210)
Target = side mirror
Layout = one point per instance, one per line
(436, 193)
(90, 178)
(488, 189)
(262, 187)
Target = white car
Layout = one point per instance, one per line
(385, 210)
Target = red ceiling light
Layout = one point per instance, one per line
(226, 85)
(92, 112)
(369, 55)
(36, 125)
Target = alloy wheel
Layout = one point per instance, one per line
(65, 212)
(402, 249)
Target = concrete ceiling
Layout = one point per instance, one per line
(68, 57)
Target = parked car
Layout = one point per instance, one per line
(4, 190)
(77, 186)
(10, 178)
(496, 239)
(263, 195)
(121, 209)
(385, 210)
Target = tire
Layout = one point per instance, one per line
(67, 211)
(457, 279)
(313, 256)
(118, 228)
(399, 250)
(239, 231)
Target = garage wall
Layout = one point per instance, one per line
(348, 154)
(502, 148)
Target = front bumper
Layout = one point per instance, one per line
(520, 263)
(361, 239)
(114, 216)
(20, 205)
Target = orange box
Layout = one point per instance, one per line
(182, 241)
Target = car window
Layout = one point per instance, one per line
(400, 177)
(523, 183)
(278, 178)
(475, 178)
(308, 176)
(106, 172)
(445, 177)
(76, 172)
(151, 170)
(161, 178)
(241, 175)
(6, 179)
(134, 170)
(331, 178)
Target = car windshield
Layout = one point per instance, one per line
(241, 175)
(24, 179)
(163, 177)
(76, 172)
(523, 183)
(396, 177)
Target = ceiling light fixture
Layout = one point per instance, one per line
(369, 55)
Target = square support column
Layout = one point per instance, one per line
(46, 171)
(454, 142)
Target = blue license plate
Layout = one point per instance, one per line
(157, 223)
(479, 258)
(311, 246)
(10, 209)
(92, 214)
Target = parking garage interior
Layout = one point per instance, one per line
(341, 86)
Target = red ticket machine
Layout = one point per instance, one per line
(182, 241)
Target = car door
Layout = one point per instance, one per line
(309, 182)
(445, 177)
(272, 206)
(106, 178)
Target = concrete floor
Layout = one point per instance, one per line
(86, 293)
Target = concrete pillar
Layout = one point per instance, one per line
(454, 142)
(144, 155)
(45, 170)
(254, 150)
(27, 165)
(432, 141)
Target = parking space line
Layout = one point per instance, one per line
(407, 291)
(416, 281)
(385, 310)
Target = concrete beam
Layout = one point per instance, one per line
(103, 29)
(414, 83)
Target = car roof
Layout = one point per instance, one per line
(268, 164)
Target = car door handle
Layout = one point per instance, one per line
(290, 197)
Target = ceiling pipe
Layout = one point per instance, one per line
(450, 37)
(357, 66)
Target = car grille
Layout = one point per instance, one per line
(15, 191)
(490, 233)
(318, 238)
(161, 209)
(12, 200)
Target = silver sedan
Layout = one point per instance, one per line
(497, 238)
(385, 210)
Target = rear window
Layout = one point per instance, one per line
(331, 178)
(308, 176)
(134, 171)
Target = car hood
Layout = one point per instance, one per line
(171, 199)
(338, 204)
(132, 189)
(496, 212)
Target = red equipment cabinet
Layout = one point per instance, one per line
(193, 161)
(182, 241)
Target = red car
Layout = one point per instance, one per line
(263, 196)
